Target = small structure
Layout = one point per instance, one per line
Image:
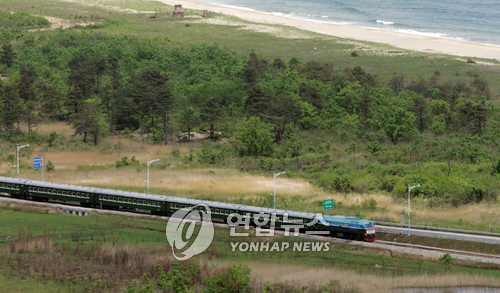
(75, 211)
(178, 11)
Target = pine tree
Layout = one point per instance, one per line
(8, 55)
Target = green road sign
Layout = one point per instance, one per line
(328, 204)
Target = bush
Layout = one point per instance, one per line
(50, 166)
(125, 162)
(369, 203)
(337, 182)
(447, 261)
(234, 279)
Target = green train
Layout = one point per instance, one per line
(309, 223)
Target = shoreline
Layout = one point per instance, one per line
(410, 42)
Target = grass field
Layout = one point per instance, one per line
(65, 252)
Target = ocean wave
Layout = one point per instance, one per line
(384, 22)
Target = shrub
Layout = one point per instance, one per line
(369, 203)
(338, 182)
(234, 279)
(50, 166)
(447, 261)
(176, 152)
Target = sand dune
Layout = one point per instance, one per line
(399, 40)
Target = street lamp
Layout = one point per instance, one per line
(409, 208)
(276, 175)
(149, 163)
(17, 154)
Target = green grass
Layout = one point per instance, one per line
(72, 237)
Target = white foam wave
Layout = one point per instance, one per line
(328, 20)
(384, 22)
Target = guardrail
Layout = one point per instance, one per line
(437, 229)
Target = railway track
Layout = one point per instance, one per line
(427, 251)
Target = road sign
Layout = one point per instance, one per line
(328, 204)
(36, 162)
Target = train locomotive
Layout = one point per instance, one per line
(336, 226)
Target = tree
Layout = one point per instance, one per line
(51, 100)
(211, 105)
(10, 108)
(254, 137)
(397, 83)
(396, 122)
(89, 121)
(189, 117)
(310, 93)
(419, 108)
(8, 55)
(256, 103)
(28, 96)
(283, 111)
(254, 70)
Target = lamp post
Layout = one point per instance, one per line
(409, 208)
(276, 175)
(17, 153)
(149, 163)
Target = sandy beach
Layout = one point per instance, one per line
(395, 39)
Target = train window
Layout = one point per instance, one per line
(176, 206)
(216, 211)
(3, 184)
(114, 198)
(119, 199)
(143, 202)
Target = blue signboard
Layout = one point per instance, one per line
(36, 162)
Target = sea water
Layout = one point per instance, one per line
(475, 21)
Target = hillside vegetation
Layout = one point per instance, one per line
(341, 128)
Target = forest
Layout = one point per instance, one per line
(343, 129)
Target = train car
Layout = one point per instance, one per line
(13, 186)
(218, 210)
(286, 218)
(40, 190)
(117, 199)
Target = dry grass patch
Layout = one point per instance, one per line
(225, 182)
(302, 275)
